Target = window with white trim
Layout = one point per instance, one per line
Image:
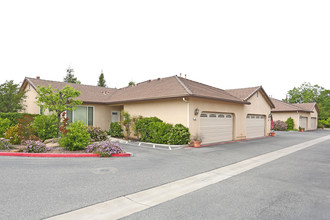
(82, 113)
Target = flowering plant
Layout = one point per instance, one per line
(96, 134)
(31, 146)
(4, 144)
(104, 148)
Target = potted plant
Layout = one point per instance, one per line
(272, 133)
(197, 140)
(301, 129)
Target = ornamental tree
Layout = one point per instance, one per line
(101, 81)
(11, 98)
(57, 100)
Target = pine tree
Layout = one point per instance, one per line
(70, 77)
(101, 81)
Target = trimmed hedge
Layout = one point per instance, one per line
(116, 130)
(13, 116)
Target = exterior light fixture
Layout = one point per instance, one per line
(196, 111)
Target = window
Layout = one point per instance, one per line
(203, 115)
(213, 115)
(228, 116)
(82, 113)
(221, 116)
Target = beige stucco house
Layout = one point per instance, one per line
(214, 114)
(304, 115)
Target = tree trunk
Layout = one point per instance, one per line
(59, 124)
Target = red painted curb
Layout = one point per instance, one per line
(19, 154)
(121, 155)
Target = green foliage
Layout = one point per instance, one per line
(45, 126)
(290, 123)
(179, 135)
(12, 135)
(101, 81)
(155, 130)
(69, 78)
(324, 123)
(5, 144)
(135, 119)
(14, 116)
(77, 137)
(131, 83)
(116, 130)
(126, 122)
(57, 100)
(143, 126)
(96, 134)
(4, 125)
(11, 98)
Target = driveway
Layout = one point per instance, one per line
(295, 185)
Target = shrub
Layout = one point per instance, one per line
(280, 125)
(104, 148)
(31, 146)
(179, 135)
(12, 135)
(126, 122)
(5, 144)
(290, 123)
(159, 132)
(13, 116)
(116, 130)
(143, 127)
(96, 134)
(76, 138)
(25, 129)
(4, 125)
(45, 126)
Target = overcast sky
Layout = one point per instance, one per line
(226, 44)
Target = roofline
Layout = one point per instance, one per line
(178, 96)
(269, 101)
(279, 111)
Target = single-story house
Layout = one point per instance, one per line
(304, 115)
(214, 114)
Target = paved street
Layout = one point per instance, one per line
(292, 187)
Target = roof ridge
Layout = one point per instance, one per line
(290, 105)
(183, 85)
(244, 88)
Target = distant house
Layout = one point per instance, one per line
(214, 114)
(304, 115)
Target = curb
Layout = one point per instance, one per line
(19, 154)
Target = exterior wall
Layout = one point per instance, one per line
(205, 105)
(258, 106)
(29, 102)
(283, 116)
(172, 111)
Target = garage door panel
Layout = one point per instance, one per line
(216, 129)
(303, 122)
(255, 126)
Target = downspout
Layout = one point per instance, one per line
(188, 110)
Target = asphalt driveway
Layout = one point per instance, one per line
(35, 188)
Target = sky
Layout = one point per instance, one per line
(225, 44)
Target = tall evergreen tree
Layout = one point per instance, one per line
(101, 81)
(70, 76)
(11, 98)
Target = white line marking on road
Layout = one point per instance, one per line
(136, 202)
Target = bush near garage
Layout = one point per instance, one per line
(280, 126)
(290, 123)
(154, 130)
(45, 126)
(116, 130)
(96, 134)
(179, 135)
(76, 138)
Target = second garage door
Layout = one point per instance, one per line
(303, 122)
(216, 127)
(255, 126)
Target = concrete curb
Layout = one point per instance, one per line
(19, 154)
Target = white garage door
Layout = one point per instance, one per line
(255, 126)
(216, 127)
(303, 122)
(313, 123)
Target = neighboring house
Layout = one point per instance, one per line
(304, 115)
(214, 114)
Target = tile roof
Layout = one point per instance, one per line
(281, 106)
(90, 94)
(161, 88)
(246, 93)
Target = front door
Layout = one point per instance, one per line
(115, 116)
